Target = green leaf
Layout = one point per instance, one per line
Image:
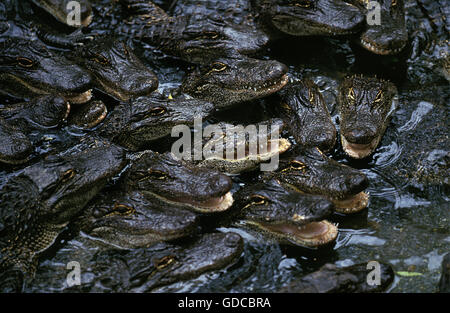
(409, 274)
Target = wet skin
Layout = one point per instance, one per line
(331, 279)
(88, 115)
(143, 269)
(288, 216)
(196, 39)
(444, 282)
(140, 121)
(311, 17)
(40, 200)
(19, 119)
(236, 79)
(391, 36)
(58, 9)
(281, 17)
(116, 69)
(160, 175)
(366, 105)
(29, 69)
(310, 171)
(231, 149)
(130, 220)
(306, 114)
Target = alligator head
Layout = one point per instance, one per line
(365, 108)
(228, 81)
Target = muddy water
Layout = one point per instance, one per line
(408, 217)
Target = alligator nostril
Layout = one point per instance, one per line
(232, 240)
(324, 207)
(360, 135)
(359, 182)
(324, 140)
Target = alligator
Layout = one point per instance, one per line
(45, 20)
(235, 79)
(234, 148)
(187, 37)
(365, 106)
(18, 120)
(332, 279)
(28, 69)
(390, 36)
(306, 115)
(88, 115)
(40, 200)
(16, 147)
(115, 68)
(129, 220)
(138, 122)
(176, 182)
(309, 170)
(60, 11)
(138, 270)
(41, 112)
(280, 17)
(287, 216)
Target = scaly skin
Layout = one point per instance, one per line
(116, 69)
(365, 108)
(58, 9)
(142, 269)
(232, 149)
(310, 171)
(288, 216)
(140, 121)
(193, 39)
(41, 112)
(332, 279)
(280, 17)
(228, 81)
(39, 201)
(307, 116)
(89, 115)
(173, 181)
(391, 36)
(29, 69)
(129, 220)
(16, 147)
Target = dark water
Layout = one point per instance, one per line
(407, 220)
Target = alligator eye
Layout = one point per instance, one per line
(297, 165)
(164, 262)
(394, 3)
(157, 111)
(157, 174)
(351, 94)
(100, 59)
(209, 35)
(303, 3)
(258, 200)
(24, 62)
(67, 175)
(378, 97)
(311, 96)
(218, 67)
(121, 210)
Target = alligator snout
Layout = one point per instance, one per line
(360, 135)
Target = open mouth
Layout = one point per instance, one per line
(268, 87)
(352, 204)
(311, 235)
(212, 205)
(359, 151)
(379, 50)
